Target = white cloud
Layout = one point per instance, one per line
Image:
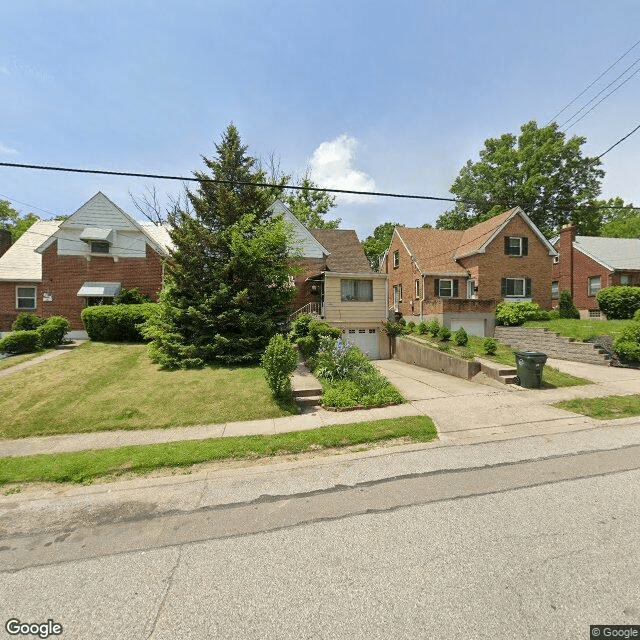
(8, 150)
(331, 166)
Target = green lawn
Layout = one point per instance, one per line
(551, 377)
(5, 363)
(100, 387)
(582, 330)
(84, 466)
(606, 408)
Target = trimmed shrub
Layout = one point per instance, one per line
(433, 327)
(627, 344)
(444, 333)
(636, 316)
(444, 347)
(19, 342)
(393, 329)
(566, 308)
(411, 326)
(131, 296)
(460, 337)
(468, 354)
(27, 322)
(117, 323)
(619, 303)
(279, 361)
(422, 328)
(316, 329)
(52, 332)
(490, 346)
(513, 314)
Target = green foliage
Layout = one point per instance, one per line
(444, 347)
(10, 219)
(411, 325)
(227, 286)
(316, 330)
(444, 333)
(468, 354)
(619, 303)
(27, 322)
(131, 296)
(433, 327)
(490, 346)
(394, 328)
(310, 206)
(19, 342)
(566, 307)
(627, 344)
(377, 243)
(119, 323)
(540, 171)
(512, 314)
(279, 361)
(623, 221)
(422, 328)
(460, 337)
(52, 332)
(636, 316)
(300, 327)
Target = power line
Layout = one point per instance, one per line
(26, 204)
(617, 143)
(596, 80)
(600, 93)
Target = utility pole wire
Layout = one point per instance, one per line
(617, 143)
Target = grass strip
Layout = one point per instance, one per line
(581, 330)
(11, 361)
(606, 408)
(85, 466)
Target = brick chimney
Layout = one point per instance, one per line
(565, 262)
(5, 240)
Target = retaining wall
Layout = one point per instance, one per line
(416, 353)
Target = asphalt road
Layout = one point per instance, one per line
(537, 548)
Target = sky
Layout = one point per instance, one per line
(363, 94)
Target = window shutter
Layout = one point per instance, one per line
(506, 246)
(503, 287)
(436, 290)
(527, 287)
(455, 288)
(525, 246)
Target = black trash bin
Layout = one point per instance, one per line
(529, 365)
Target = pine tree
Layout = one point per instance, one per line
(227, 285)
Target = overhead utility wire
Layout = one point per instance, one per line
(26, 204)
(596, 80)
(600, 93)
(617, 143)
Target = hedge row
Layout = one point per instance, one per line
(117, 323)
(50, 332)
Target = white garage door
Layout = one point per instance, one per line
(366, 340)
(472, 327)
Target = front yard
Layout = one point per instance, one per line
(101, 387)
(582, 330)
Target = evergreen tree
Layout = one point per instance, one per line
(227, 285)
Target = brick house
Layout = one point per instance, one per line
(458, 277)
(60, 267)
(587, 264)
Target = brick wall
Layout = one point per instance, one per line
(62, 277)
(406, 274)
(8, 311)
(309, 267)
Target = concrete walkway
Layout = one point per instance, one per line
(464, 412)
(56, 353)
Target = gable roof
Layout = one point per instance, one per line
(616, 254)
(21, 262)
(346, 253)
(436, 251)
(101, 213)
(310, 246)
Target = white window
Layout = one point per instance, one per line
(594, 285)
(515, 287)
(554, 290)
(625, 279)
(471, 289)
(356, 290)
(445, 288)
(516, 246)
(396, 259)
(25, 297)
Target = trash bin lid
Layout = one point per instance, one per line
(531, 355)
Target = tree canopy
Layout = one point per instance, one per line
(12, 220)
(227, 286)
(377, 243)
(620, 220)
(538, 170)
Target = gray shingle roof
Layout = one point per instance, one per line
(347, 255)
(615, 253)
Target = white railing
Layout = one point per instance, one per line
(312, 308)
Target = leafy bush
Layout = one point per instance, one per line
(433, 327)
(279, 361)
(636, 316)
(554, 314)
(316, 329)
(627, 344)
(393, 329)
(339, 360)
(460, 337)
(444, 333)
(131, 296)
(118, 323)
(566, 308)
(422, 328)
(490, 346)
(411, 325)
(402, 321)
(52, 332)
(512, 314)
(19, 342)
(468, 354)
(444, 347)
(27, 322)
(619, 303)
(300, 327)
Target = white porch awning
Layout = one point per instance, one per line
(99, 289)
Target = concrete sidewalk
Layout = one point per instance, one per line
(464, 412)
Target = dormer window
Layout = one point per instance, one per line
(98, 246)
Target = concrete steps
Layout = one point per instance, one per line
(307, 390)
(554, 345)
